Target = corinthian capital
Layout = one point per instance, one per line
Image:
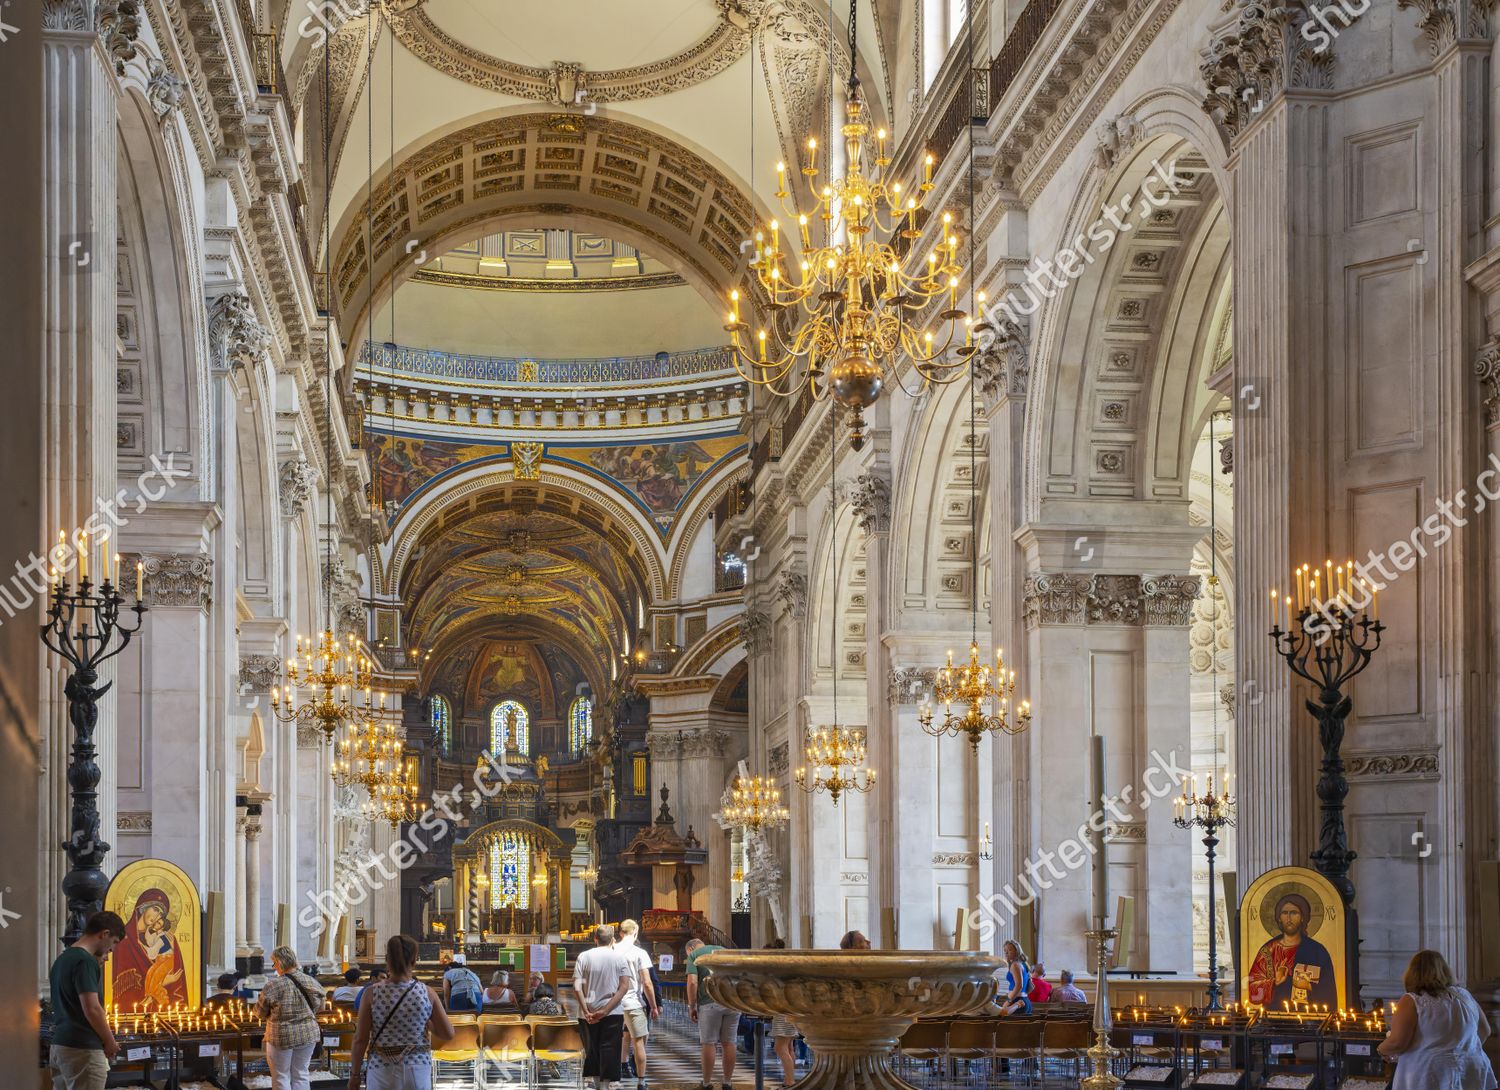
(908, 684)
(175, 581)
(1259, 52)
(235, 334)
(870, 497)
(1487, 367)
(117, 22)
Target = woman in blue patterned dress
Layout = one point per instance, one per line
(394, 1022)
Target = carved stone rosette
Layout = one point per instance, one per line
(259, 673)
(295, 486)
(176, 581)
(907, 684)
(870, 496)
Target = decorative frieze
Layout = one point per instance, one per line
(1392, 765)
(854, 877)
(954, 859)
(1130, 832)
(178, 581)
(908, 684)
(755, 632)
(295, 487)
(1114, 599)
(259, 673)
(870, 496)
(791, 592)
(235, 334)
(133, 821)
(1057, 598)
(777, 762)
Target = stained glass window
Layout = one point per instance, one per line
(442, 724)
(510, 872)
(580, 724)
(508, 714)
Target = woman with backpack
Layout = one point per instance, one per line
(289, 1003)
(393, 1026)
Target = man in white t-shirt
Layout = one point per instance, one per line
(601, 979)
(640, 1002)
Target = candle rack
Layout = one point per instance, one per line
(83, 626)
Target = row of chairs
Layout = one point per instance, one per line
(485, 1046)
(1023, 1046)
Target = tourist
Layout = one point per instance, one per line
(601, 980)
(393, 1028)
(1065, 991)
(348, 992)
(82, 1044)
(543, 1002)
(639, 1005)
(716, 1024)
(289, 1004)
(376, 976)
(462, 990)
(223, 991)
(1040, 991)
(499, 994)
(1437, 1031)
(1017, 981)
(854, 940)
(784, 1034)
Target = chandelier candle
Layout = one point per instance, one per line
(1096, 831)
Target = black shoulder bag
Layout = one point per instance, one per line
(318, 1044)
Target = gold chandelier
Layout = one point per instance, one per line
(983, 694)
(836, 757)
(369, 753)
(858, 292)
(395, 798)
(755, 805)
(331, 672)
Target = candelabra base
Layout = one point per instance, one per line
(1101, 1054)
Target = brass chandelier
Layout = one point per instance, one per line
(847, 312)
(395, 799)
(983, 694)
(331, 671)
(369, 753)
(836, 762)
(755, 805)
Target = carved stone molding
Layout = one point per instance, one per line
(1133, 831)
(309, 735)
(1226, 455)
(133, 821)
(1445, 21)
(1114, 599)
(1169, 598)
(870, 496)
(164, 88)
(235, 334)
(117, 22)
(755, 632)
(1487, 367)
(1056, 598)
(1003, 366)
(908, 684)
(296, 486)
(1392, 765)
(854, 877)
(1116, 136)
(777, 763)
(178, 581)
(954, 859)
(350, 617)
(791, 592)
(259, 673)
(1255, 56)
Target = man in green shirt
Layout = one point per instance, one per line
(716, 1024)
(82, 1044)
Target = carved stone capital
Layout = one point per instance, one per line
(178, 581)
(1487, 367)
(1260, 52)
(908, 684)
(235, 334)
(664, 745)
(1003, 365)
(791, 592)
(1169, 598)
(164, 88)
(349, 613)
(1444, 22)
(117, 22)
(259, 673)
(309, 735)
(870, 496)
(295, 487)
(703, 742)
(1114, 599)
(755, 632)
(1054, 598)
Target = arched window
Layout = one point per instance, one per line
(509, 729)
(442, 724)
(510, 872)
(580, 724)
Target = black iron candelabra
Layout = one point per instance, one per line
(83, 626)
(1327, 643)
(1209, 812)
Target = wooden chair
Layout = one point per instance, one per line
(923, 1042)
(970, 1039)
(463, 1048)
(1065, 1039)
(554, 1041)
(504, 1041)
(1019, 1039)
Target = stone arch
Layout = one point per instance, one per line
(621, 178)
(708, 490)
(840, 600)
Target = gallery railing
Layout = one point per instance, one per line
(612, 370)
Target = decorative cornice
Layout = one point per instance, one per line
(1392, 765)
(755, 632)
(791, 592)
(1067, 598)
(870, 496)
(177, 581)
(1487, 367)
(295, 486)
(259, 673)
(1255, 56)
(908, 684)
(235, 334)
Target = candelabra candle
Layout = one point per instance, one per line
(1327, 642)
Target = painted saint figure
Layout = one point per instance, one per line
(147, 969)
(1294, 967)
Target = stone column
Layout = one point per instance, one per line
(85, 43)
(252, 880)
(241, 895)
(910, 783)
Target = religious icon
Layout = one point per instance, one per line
(1292, 918)
(159, 962)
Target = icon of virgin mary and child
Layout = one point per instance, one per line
(148, 972)
(1293, 967)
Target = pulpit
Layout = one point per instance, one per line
(673, 859)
